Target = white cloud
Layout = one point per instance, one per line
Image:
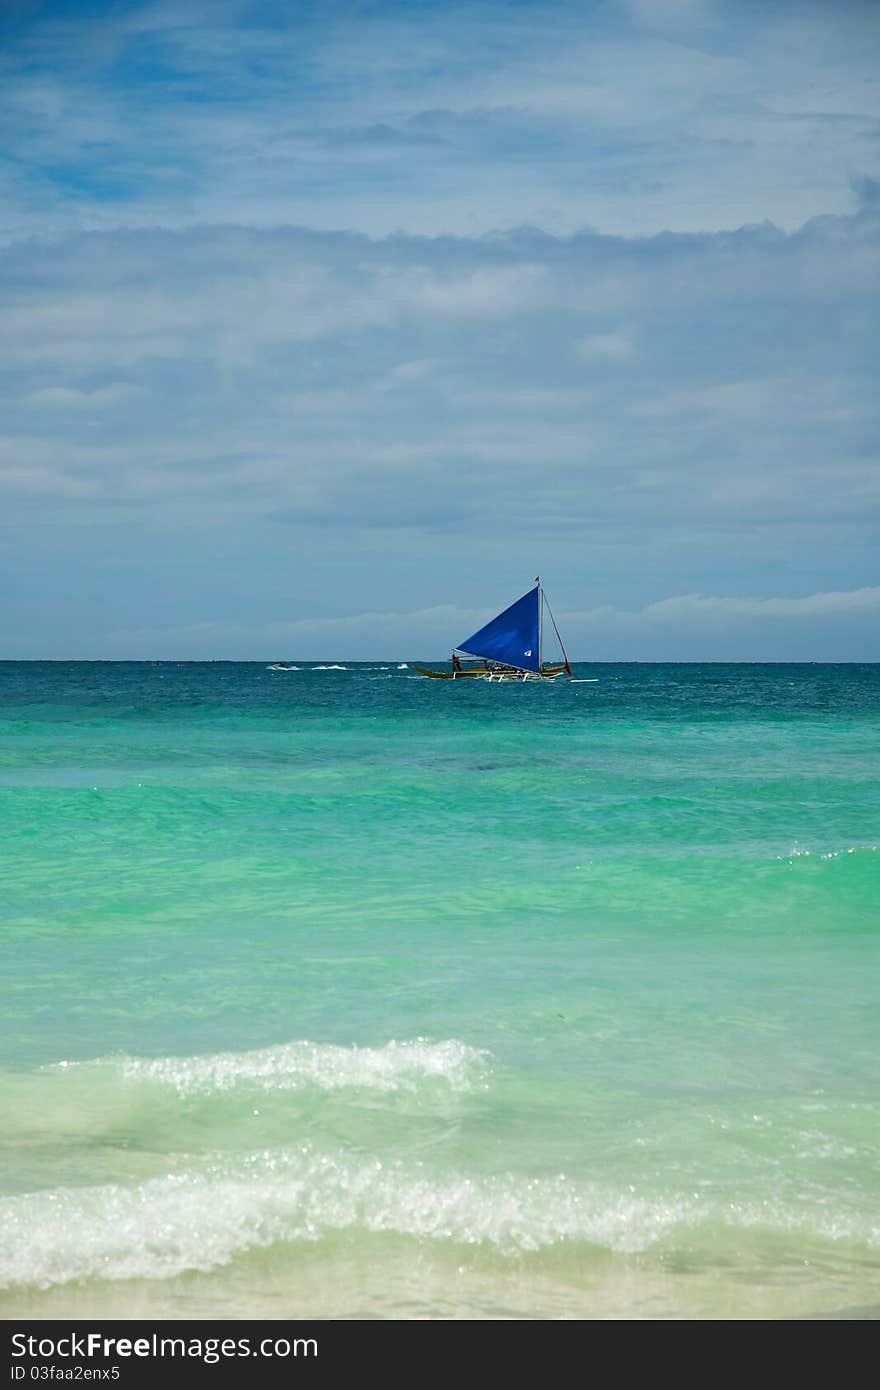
(211, 398)
(699, 606)
(674, 629)
(606, 347)
(456, 119)
(304, 375)
(70, 398)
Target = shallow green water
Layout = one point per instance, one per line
(346, 993)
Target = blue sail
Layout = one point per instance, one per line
(512, 637)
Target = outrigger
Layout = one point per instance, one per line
(509, 648)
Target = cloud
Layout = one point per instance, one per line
(866, 189)
(332, 300)
(67, 398)
(691, 606)
(830, 626)
(617, 346)
(392, 635)
(631, 118)
(674, 629)
(543, 381)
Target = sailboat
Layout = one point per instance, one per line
(509, 647)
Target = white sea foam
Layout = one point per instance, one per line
(329, 668)
(397, 1066)
(198, 1220)
(798, 851)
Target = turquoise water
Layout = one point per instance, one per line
(346, 993)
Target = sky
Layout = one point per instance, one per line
(327, 326)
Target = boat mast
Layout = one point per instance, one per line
(540, 621)
(559, 640)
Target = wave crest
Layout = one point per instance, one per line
(200, 1220)
(397, 1066)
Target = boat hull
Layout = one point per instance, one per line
(478, 673)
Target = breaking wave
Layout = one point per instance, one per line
(397, 1066)
(199, 1219)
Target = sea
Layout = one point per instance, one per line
(339, 993)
